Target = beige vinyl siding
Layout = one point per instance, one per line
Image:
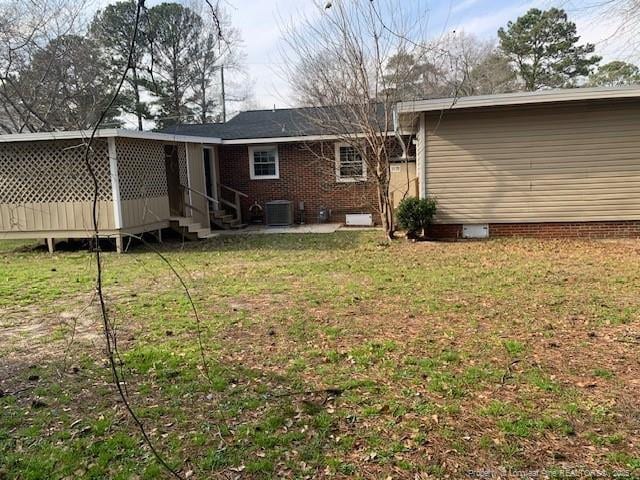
(576, 162)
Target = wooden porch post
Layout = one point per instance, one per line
(115, 191)
(115, 183)
(119, 243)
(51, 244)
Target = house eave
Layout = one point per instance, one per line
(167, 137)
(298, 139)
(106, 133)
(519, 98)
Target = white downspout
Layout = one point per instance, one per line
(421, 156)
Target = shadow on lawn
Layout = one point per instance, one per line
(338, 241)
(173, 242)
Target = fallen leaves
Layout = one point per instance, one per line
(311, 322)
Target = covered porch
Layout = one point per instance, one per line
(146, 182)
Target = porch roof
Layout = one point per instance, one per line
(107, 133)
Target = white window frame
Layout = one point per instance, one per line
(263, 148)
(342, 179)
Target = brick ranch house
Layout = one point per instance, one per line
(551, 163)
(283, 154)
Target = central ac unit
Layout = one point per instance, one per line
(278, 213)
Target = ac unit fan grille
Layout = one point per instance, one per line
(279, 213)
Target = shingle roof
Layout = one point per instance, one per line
(285, 122)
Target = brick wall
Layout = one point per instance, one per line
(303, 177)
(605, 229)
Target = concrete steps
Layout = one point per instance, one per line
(225, 221)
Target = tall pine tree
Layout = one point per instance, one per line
(543, 46)
(112, 29)
(174, 36)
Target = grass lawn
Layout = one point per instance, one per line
(329, 356)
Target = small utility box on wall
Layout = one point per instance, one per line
(359, 220)
(475, 231)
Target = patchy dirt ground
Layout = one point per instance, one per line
(329, 356)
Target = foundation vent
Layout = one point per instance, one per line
(475, 231)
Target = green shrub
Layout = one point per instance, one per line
(415, 214)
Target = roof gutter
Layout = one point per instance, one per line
(166, 137)
(106, 133)
(301, 138)
(520, 98)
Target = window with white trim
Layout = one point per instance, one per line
(349, 164)
(263, 162)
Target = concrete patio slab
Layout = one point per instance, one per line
(266, 230)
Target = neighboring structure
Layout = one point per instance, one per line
(552, 163)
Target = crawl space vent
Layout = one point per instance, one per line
(475, 231)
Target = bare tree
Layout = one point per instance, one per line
(336, 63)
(27, 30)
(492, 74)
(411, 79)
(626, 11)
(472, 66)
(625, 15)
(456, 64)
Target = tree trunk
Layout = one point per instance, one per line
(386, 210)
(176, 96)
(224, 100)
(176, 105)
(136, 89)
(203, 99)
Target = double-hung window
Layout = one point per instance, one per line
(349, 164)
(263, 162)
